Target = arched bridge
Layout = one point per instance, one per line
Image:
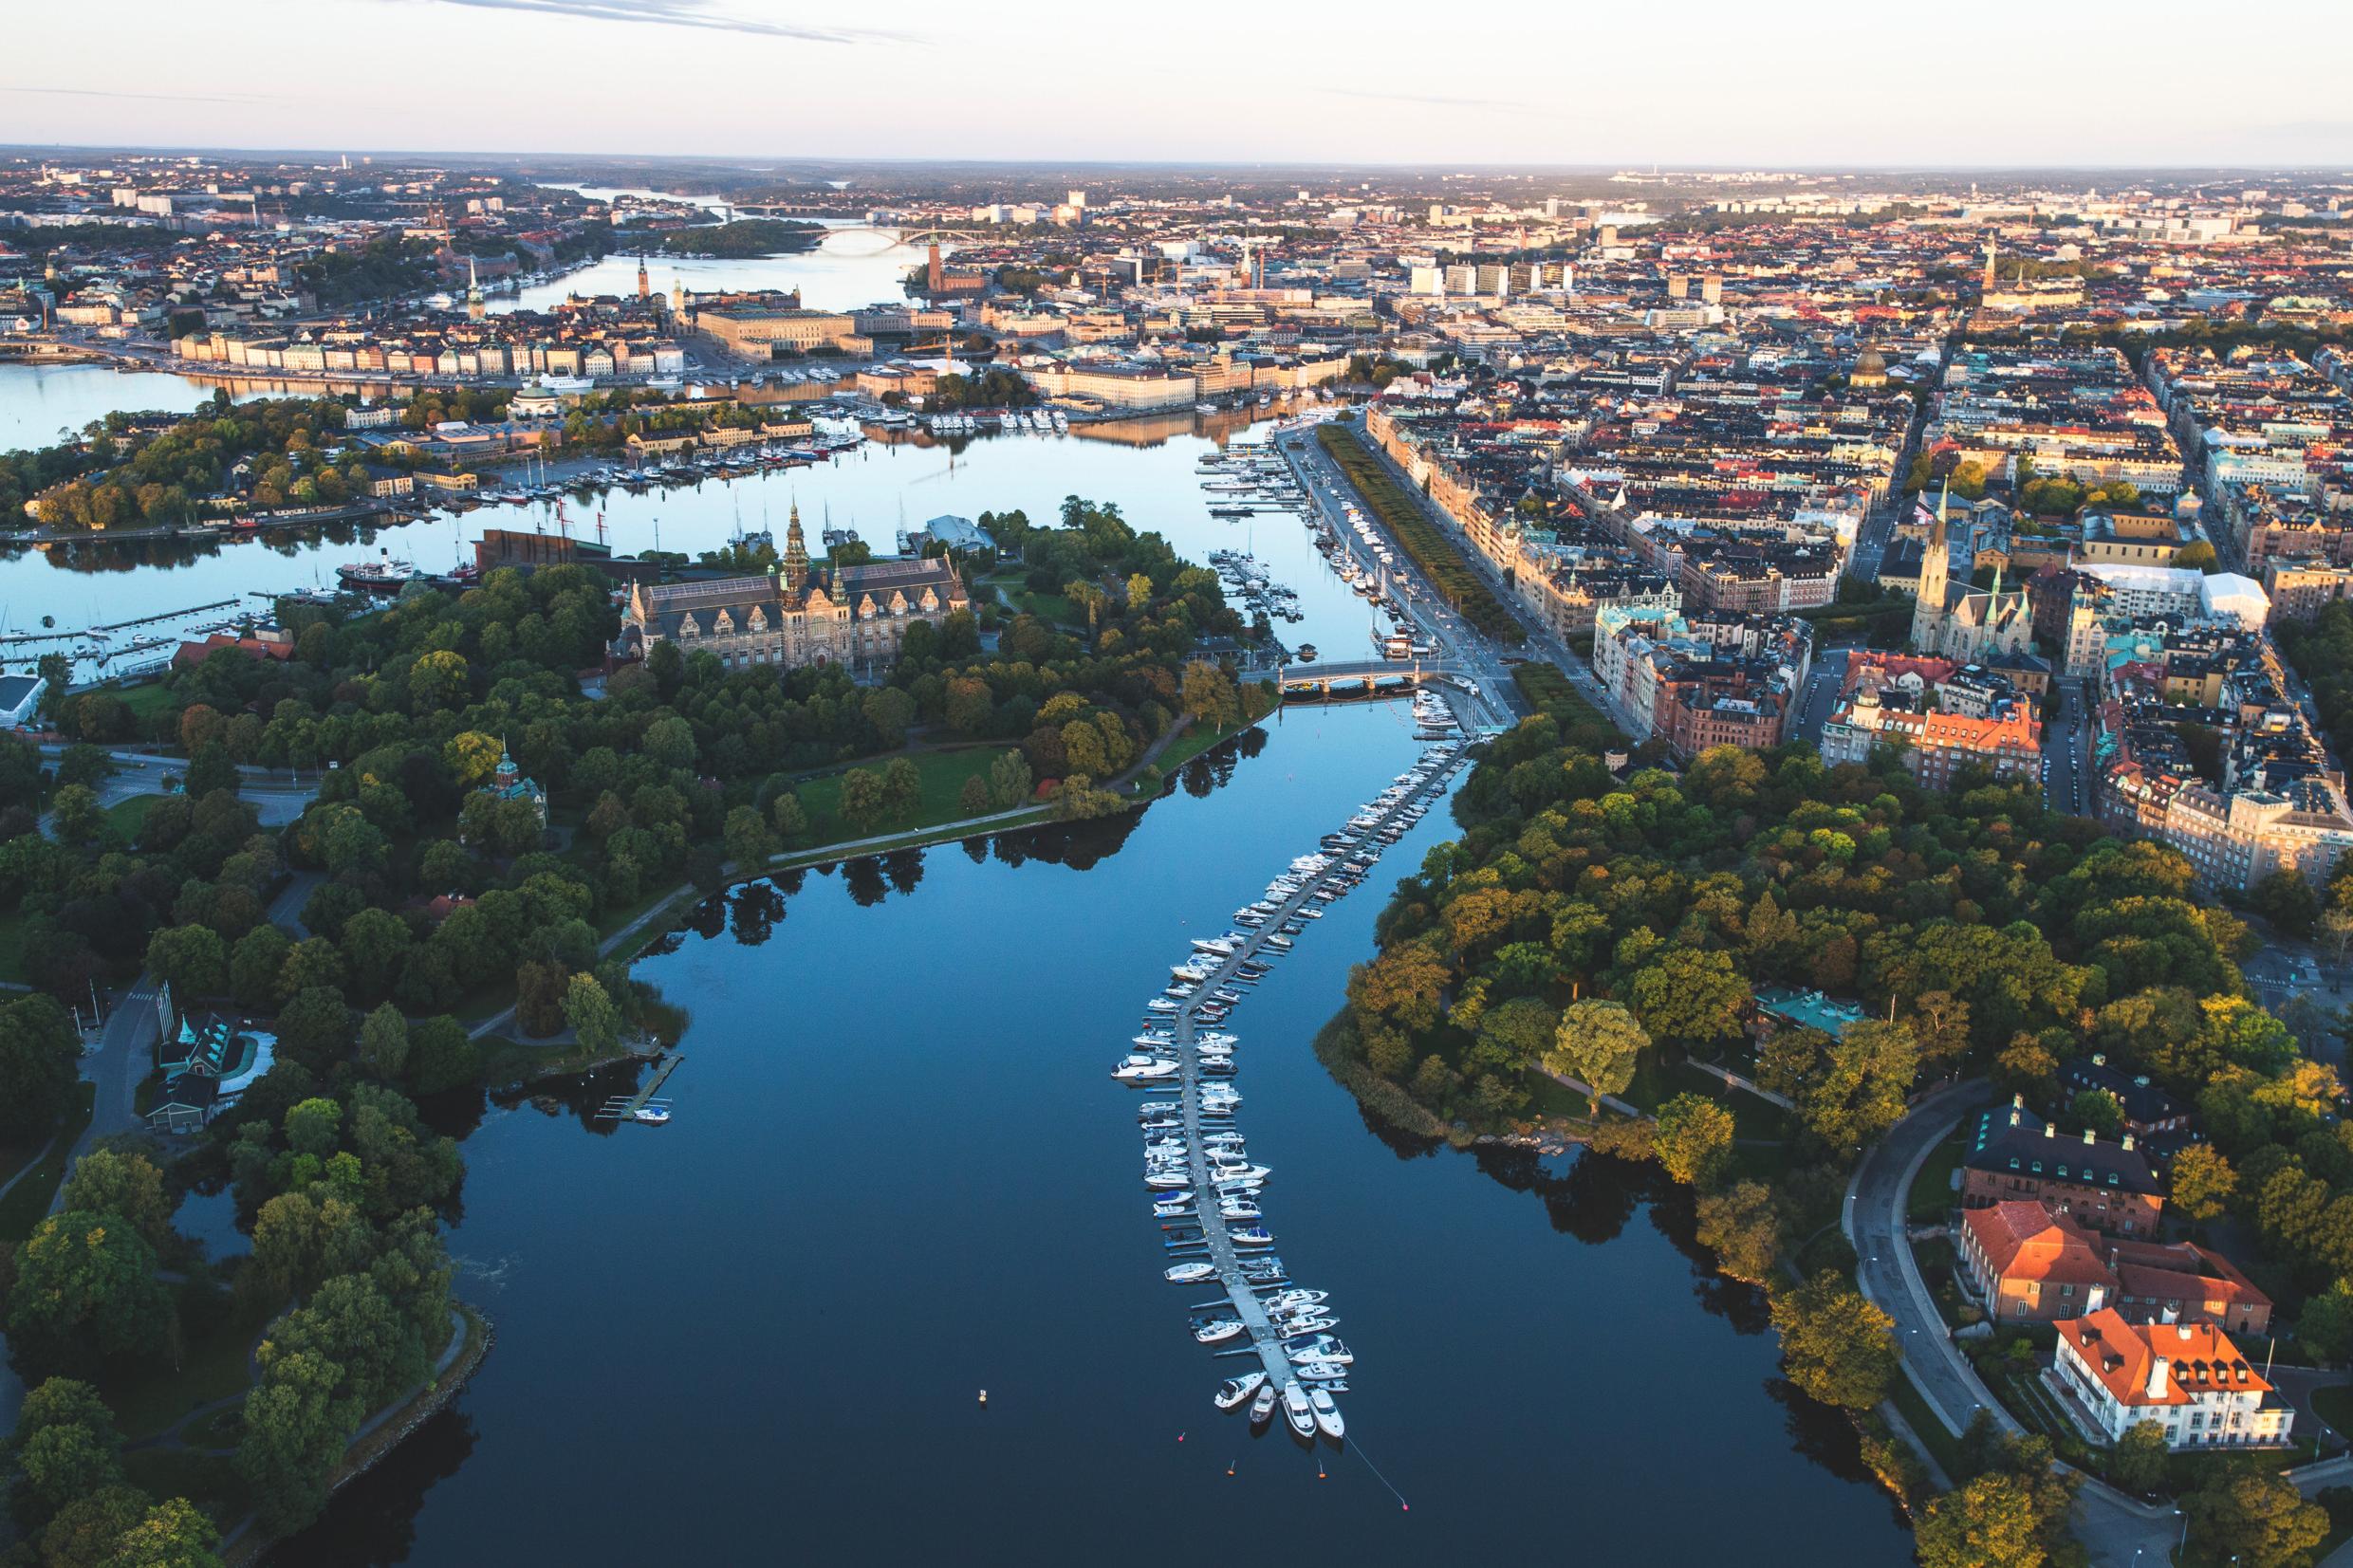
(891, 238)
(1370, 677)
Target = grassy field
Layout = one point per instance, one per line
(1941, 1444)
(29, 1200)
(1549, 693)
(125, 817)
(943, 774)
(143, 700)
(1932, 1189)
(216, 1364)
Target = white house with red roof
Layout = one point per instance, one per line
(2186, 1378)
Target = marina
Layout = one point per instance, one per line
(1212, 1223)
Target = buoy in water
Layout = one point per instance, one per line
(984, 1396)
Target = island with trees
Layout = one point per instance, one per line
(742, 238)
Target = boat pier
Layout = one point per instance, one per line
(625, 1107)
(1215, 1245)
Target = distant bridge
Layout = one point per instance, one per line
(891, 238)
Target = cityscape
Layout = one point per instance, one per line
(1696, 808)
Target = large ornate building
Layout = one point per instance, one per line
(1966, 624)
(797, 615)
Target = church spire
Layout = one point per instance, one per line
(796, 564)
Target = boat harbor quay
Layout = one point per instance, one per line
(1205, 1191)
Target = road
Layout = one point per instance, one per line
(1821, 694)
(1331, 492)
(2066, 752)
(124, 1056)
(278, 796)
(2116, 1530)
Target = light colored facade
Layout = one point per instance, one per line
(2187, 1379)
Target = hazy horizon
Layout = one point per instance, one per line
(2027, 87)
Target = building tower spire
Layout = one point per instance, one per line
(796, 563)
(646, 285)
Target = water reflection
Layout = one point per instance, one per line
(372, 1524)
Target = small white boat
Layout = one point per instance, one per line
(1218, 1331)
(1176, 1205)
(1237, 1391)
(1185, 1274)
(1327, 1419)
(1297, 1410)
(1145, 1072)
(1262, 1407)
(1161, 1004)
(1240, 1210)
(1250, 1235)
(653, 1116)
(1290, 1300)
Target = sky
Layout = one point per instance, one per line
(1690, 83)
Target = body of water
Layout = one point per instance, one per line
(846, 272)
(900, 1175)
(41, 405)
(1146, 466)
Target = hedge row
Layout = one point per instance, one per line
(1549, 693)
(1438, 559)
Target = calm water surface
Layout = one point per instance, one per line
(1146, 466)
(901, 1175)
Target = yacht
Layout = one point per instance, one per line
(653, 1116)
(1218, 1331)
(1327, 1419)
(1238, 1391)
(1330, 1374)
(1250, 1235)
(1185, 1274)
(1239, 1209)
(1161, 1004)
(1176, 1205)
(1321, 1347)
(1144, 1072)
(1262, 1407)
(1297, 1410)
(1290, 1299)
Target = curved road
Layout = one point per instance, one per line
(2116, 1529)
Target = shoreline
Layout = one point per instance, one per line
(242, 1547)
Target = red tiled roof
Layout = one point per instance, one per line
(2024, 1242)
(2201, 1358)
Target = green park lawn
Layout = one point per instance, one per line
(125, 817)
(1932, 1189)
(942, 775)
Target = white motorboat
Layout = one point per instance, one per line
(1306, 1325)
(1161, 1004)
(1322, 1348)
(1185, 1274)
(1327, 1419)
(1290, 1300)
(1262, 1407)
(1240, 1210)
(1144, 1072)
(1237, 1391)
(1250, 1235)
(1167, 1180)
(1192, 972)
(1321, 1372)
(1297, 1410)
(1218, 1331)
(1176, 1205)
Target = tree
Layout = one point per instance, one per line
(1836, 1347)
(126, 1186)
(2326, 1328)
(256, 965)
(384, 1043)
(1599, 1043)
(2203, 1182)
(2286, 899)
(747, 837)
(1691, 995)
(1010, 780)
(40, 1062)
(594, 1019)
(192, 958)
(863, 800)
(790, 817)
(540, 989)
(441, 1056)
(85, 1297)
(1740, 1225)
(298, 1421)
(1208, 695)
(2097, 1109)
(2247, 1511)
(74, 813)
(316, 1027)
(64, 1447)
(2138, 1462)
(890, 709)
(1693, 1140)
(175, 1534)
(1996, 1521)
(375, 945)
(972, 799)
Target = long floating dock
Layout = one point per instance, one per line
(1219, 1245)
